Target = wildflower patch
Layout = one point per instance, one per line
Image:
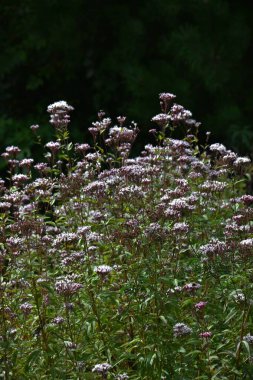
(121, 267)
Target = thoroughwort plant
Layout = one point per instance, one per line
(113, 267)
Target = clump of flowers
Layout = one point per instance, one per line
(59, 113)
(103, 269)
(205, 334)
(102, 253)
(200, 305)
(102, 369)
(181, 329)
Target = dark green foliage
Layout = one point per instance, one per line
(117, 54)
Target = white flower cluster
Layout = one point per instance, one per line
(59, 113)
(103, 269)
(101, 368)
(247, 243)
(220, 148)
(248, 338)
(214, 247)
(242, 161)
(181, 227)
(67, 287)
(179, 113)
(122, 376)
(161, 119)
(60, 105)
(181, 329)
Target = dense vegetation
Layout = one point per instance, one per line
(116, 54)
(126, 268)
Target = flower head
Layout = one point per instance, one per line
(248, 338)
(103, 269)
(205, 334)
(200, 305)
(181, 329)
(26, 308)
(59, 113)
(102, 368)
(61, 105)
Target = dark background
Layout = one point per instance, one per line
(118, 56)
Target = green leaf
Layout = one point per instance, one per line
(32, 358)
(246, 345)
(163, 319)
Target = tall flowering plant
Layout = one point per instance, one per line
(114, 267)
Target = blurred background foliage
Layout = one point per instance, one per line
(118, 56)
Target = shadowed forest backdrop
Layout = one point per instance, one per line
(118, 55)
